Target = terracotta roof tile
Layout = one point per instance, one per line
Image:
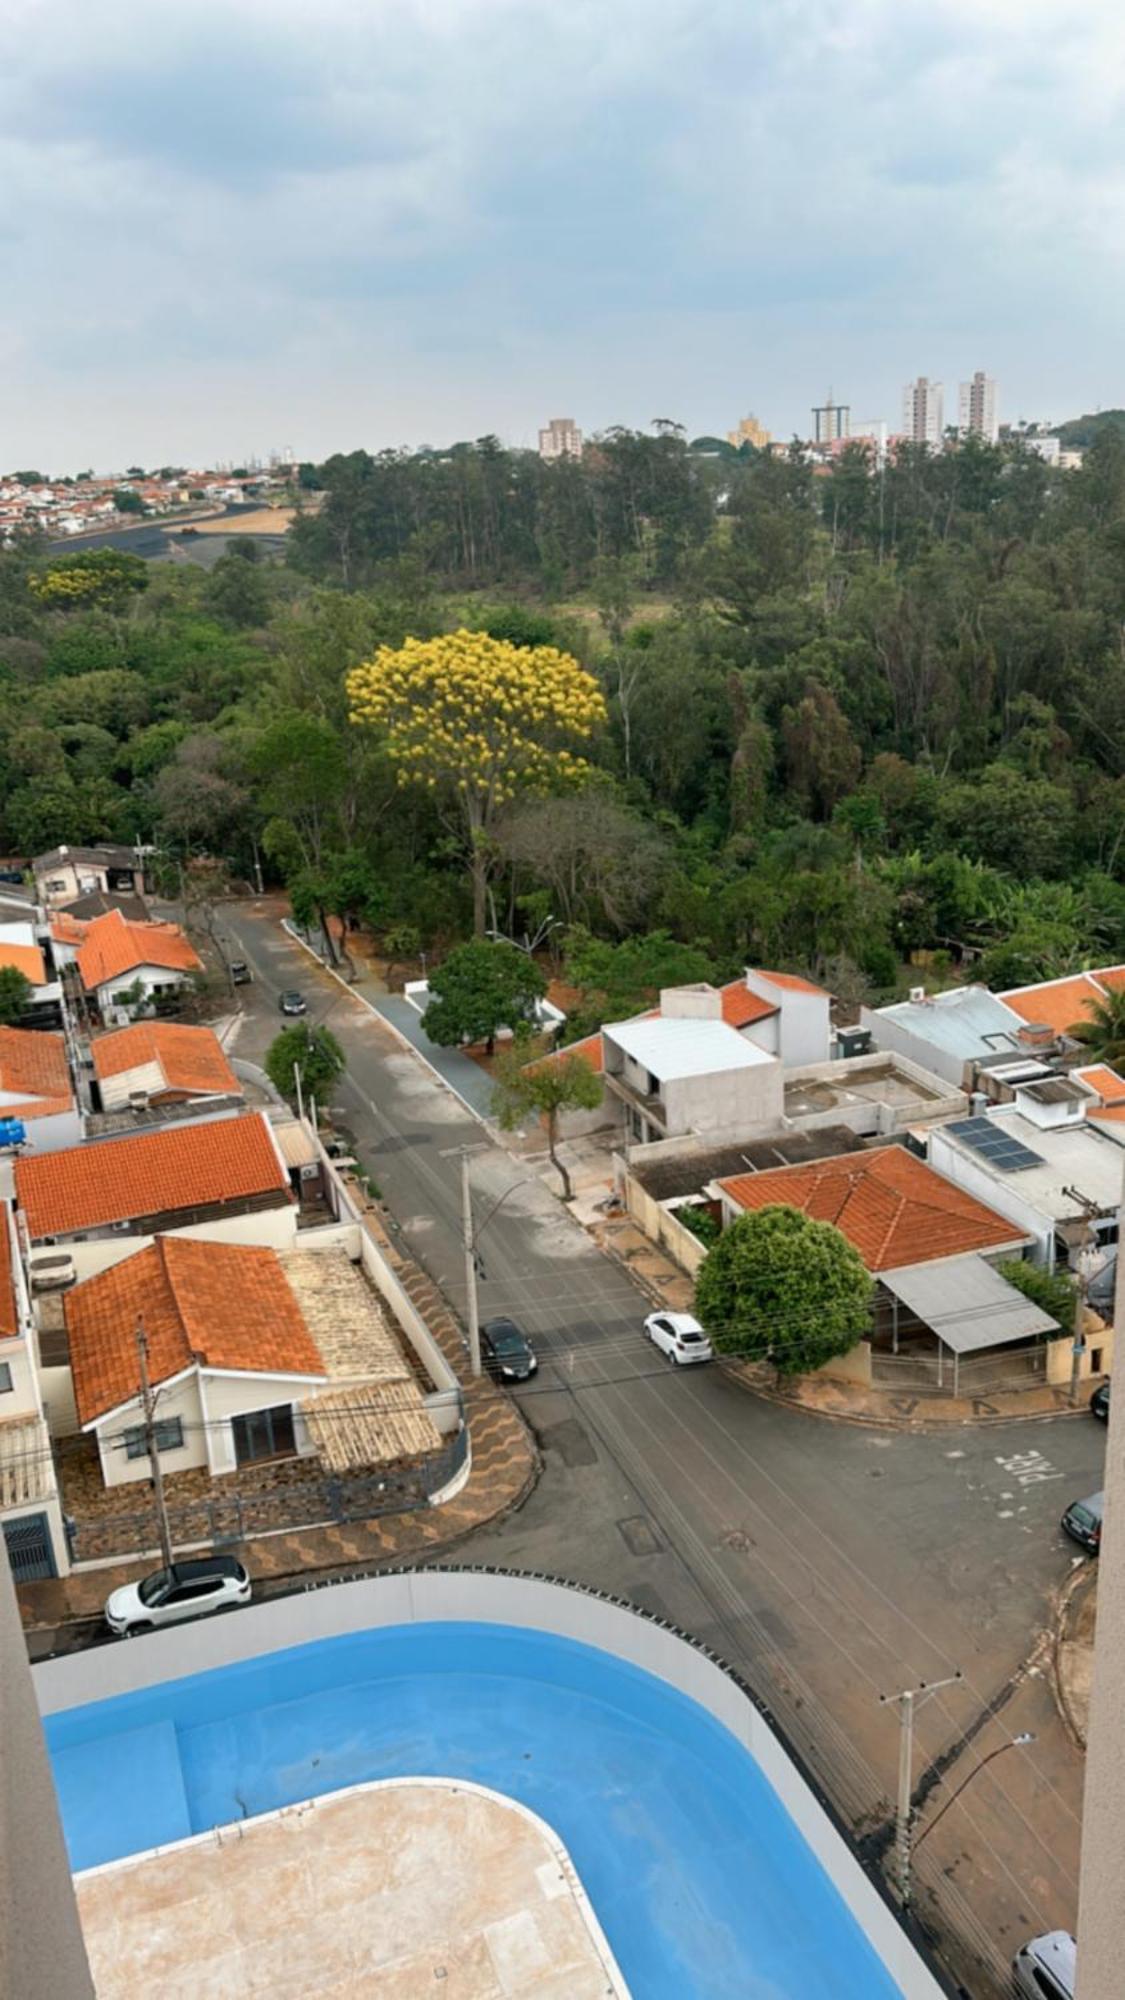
(33, 1065)
(1105, 1081)
(189, 1059)
(741, 1007)
(148, 1173)
(224, 1305)
(1063, 1004)
(790, 982)
(27, 958)
(66, 929)
(114, 946)
(890, 1205)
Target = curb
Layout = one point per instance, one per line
(385, 1021)
(920, 1424)
(1084, 1577)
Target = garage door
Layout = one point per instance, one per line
(29, 1548)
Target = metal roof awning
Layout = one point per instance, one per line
(966, 1302)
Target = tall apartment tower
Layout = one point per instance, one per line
(561, 439)
(922, 414)
(977, 411)
(831, 421)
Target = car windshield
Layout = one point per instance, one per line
(508, 1340)
(154, 1587)
(687, 1335)
(1082, 1517)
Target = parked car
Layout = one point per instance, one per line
(1099, 1402)
(187, 1590)
(1083, 1521)
(1044, 1969)
(507, 1351)
(293, 1003)
(12, 876)
(679, 1336)
(240, 973)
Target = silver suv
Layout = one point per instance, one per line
(187, 1590)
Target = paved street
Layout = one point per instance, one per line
(829, 1563)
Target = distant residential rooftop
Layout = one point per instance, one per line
(690, 1169)
(672, 1050)
(967, 1021)
(834, 1086)
(1063, 1161)
(1064, 1004)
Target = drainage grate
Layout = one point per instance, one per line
(640, 1536)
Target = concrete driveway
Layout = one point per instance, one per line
(830, 1564)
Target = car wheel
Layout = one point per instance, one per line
(142, 1625)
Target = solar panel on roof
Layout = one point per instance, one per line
(995, 1145)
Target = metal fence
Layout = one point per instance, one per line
(919, 1372)
(227, 1515)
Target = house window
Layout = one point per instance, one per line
(264, 1434)
(169, 1436)
(5, 1377)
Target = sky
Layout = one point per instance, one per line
(237, 226)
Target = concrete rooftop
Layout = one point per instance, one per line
(389, 1890)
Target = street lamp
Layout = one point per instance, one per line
(470, 1236)
(1014, 1743)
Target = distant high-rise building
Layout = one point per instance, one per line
(561, 439)
(922, 412)
(977, 411)
(750, 431)
(831, 421)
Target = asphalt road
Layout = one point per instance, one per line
(830, 1563)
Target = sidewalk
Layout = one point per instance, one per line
(1074, 1650)
(505, 1466)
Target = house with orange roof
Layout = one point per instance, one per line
(224, 1179)
(31, 1519)
(124, 965)
(1064, 1004)
(1107, 1098)
(36, 1088)
(229, 1354)
(20, 947)
(161, 1063)
(66, 872)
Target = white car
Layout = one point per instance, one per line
(187, 1590)
(679, 1336)
(1044, 1969)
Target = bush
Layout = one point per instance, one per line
(1052, 1291)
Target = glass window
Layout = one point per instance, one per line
(264, 1434)
(169, 1436)
(5, 1377)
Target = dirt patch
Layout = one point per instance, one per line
(1074, 1652)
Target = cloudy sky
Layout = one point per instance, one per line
(237, 225)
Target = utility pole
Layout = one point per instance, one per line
(297, 1081)
(1080, 1239)
(470, 1249)
(148, 1402)
(908, 1702)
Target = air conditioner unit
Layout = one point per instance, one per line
(138, 1100)
(917, 996)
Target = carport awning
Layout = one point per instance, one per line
(967, 1303)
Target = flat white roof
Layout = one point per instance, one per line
(1070, 1156)
(682, 1048)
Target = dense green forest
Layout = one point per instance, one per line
(858, 720)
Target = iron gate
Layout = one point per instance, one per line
(29, 1548)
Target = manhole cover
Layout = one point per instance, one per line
(640, 1536)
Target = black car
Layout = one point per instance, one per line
(1083, 1521)
(293, 1003)
(240, 973)
(507, 1351)
(1099, 1403)
(12, 875)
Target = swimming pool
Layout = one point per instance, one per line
(699, 1878)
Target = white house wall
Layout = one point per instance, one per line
(47, 1135)
(150, 976)
(736, 1100)
(180, 1400)
(275, 1228)
(894, 1039)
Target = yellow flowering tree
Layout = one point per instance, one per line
(481, 722)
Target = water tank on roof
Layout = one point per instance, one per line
(13, 1132)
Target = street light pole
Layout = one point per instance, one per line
(470, 1262)
(908, 1703)
(1013, 1743)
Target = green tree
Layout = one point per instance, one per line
(781, 1287)
(620, 979)
(1053, 1291)
(1102, 1031)
(15, 995)
(479, 989)
(315, 1053)
(91, 577)
(544, 1086)
(127, 501)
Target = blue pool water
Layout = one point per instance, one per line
(696, 1873)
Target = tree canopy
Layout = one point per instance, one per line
(479, 989)
(15, 995)
(315, 1053)
(781, 1287)
(537, 1084)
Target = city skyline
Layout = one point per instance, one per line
(247, 223)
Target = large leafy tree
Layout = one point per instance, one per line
(617, 980)
(480, 989)
(15, 994)
(103, 577)
(544, 1086)
(481, 723)
(314, 1053)
(781, 1287)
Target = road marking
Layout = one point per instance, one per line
(1028, 1468)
